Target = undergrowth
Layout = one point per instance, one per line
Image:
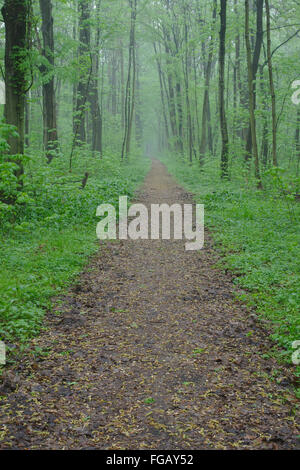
(258, 235)
(49, 233)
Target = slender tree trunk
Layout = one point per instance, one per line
(187, 92)
(74, 91)
(85, 71)
(255, 62)
(251, 95)
(122, 85)
(236, 67)
(171, 94)
(17, 29)
(196, 112)
(96, 114)
(205, 108)
(272, 88)
(265, 130)
(223, 120)
(138, 119)
(130, 86)
(27, 119)
(180, 116)
(49, 103)
(114, 66)
(209, 129)
(160, 76)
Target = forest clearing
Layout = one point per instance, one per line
(141, 344)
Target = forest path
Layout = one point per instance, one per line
(151, 351)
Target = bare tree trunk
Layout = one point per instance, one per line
(205, 109)
(130, 87)
(171, 94)
(196, 113)
(251, 95)
(75, 55)
(255, 62)
(265, 131)
(159, 69)
(138, 119)
(114, 66)
(223, 120)
(96, 114)
(85, 75)
(122, 85)
(272, 88)
(49, 103)
(236, 74)
(17, 28)
(187, 92)
(180, 116)
(27, 119)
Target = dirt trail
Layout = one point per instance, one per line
(151, 352)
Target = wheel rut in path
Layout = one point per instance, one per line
(151, 351)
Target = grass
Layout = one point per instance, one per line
(258, 234)
(48, 240)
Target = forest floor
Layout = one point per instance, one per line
(150, 350)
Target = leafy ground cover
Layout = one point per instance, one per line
(46, 242)
(258, 234)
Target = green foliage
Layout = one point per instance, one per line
(47, 236)
(259, 241)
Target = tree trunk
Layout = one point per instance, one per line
(171, 94)
(122, 85)
(265, 130)
(16, 18)
(272, 88)
(223, 120)
(161, 84)
(130, 86)
(138, 119)
(114, 66)
(205, 108)
(96, 114)
(84, 73)
(255, 62)
(251, 95)
(49, 104)
(27, 119)
(187, 92)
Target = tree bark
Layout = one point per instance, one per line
(255, 62)
(265, 129)
(17, 28)
(130, 86)
(205, 108)
(49, 103)
(223, 120)
(272, 88)
(187, 92)
(122, 85)
(138, 107)
(161, 84)
(251, 95)
(96, 112)
(84, 73)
